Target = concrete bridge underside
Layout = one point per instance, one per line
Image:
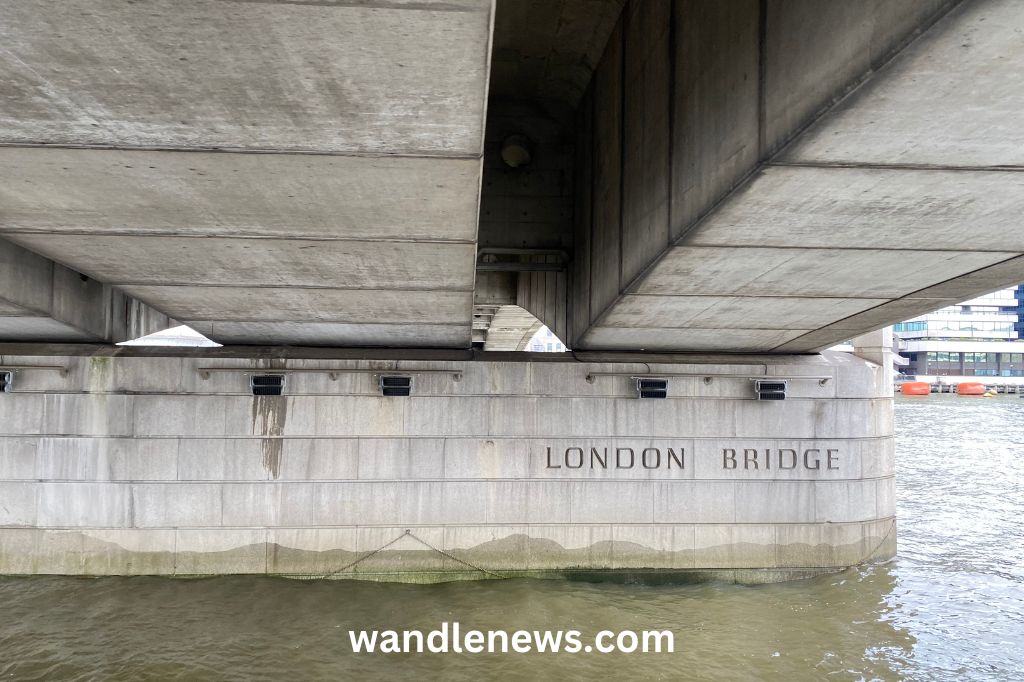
(733, 176)
(271, 171)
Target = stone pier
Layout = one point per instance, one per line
(143, 461)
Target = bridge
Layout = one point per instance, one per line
(700, 194)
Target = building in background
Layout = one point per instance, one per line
(977, 338)
(545, 341)
(1019, 326)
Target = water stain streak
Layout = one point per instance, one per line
(269, 413)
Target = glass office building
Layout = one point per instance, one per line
(1020, 312)
(978, 338)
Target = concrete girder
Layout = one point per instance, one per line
(43, 301)
(270, 172)
(903, 198)
(546, 50)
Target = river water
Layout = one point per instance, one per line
(951, 607)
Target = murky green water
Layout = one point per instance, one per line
(950, 608)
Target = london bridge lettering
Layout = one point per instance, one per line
(616, 458)
(782, 458)
(747, 459)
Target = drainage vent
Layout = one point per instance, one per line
(6, 381)
(267, 384)
(770, 390)
(652, 388)
(395, 385)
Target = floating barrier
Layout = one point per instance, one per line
(915, 388)
(994, 387)
(971, 388)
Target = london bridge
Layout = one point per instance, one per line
(366, 212)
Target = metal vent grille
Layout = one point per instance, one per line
(652, 388)
(267, 384)
(770, 389)
(392, 386)
(6, 381)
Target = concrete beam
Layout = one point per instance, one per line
(271, 172)
(866, 218)
(816, 52)
(950, 100)
(44, 301)
(547, 51)
(279, 76)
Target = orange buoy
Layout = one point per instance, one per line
(915, 388)
(970, 388)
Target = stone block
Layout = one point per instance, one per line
(18, 503)
(85, 505)
(692, 502)
(107, 459)
(614, 502)
(223, 459)
(775, 501)
(401, 458)
(174, 505)
(845, 501)
(18, 457)
(316, 459)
